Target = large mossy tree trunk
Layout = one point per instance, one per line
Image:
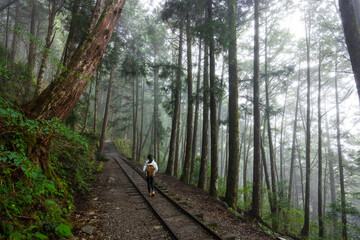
(232, 181)
(57, 100)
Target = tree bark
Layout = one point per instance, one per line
(176, 112)
(231, 194)
(188, 152)
(352, 37)
(205, 133)
(214, 191)
(106, 114)
(256, 194)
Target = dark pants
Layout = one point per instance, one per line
(150, 184)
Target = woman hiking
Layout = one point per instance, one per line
(150, 168)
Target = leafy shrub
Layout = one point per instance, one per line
(34, 204)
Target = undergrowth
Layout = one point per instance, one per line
(34, 205)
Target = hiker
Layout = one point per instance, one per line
(150, 168)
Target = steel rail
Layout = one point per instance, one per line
(181, 209)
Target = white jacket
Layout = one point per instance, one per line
(152, 163)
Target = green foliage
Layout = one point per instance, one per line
(44, 200)
(124, 146)
(63, 231)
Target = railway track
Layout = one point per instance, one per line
(176, 220)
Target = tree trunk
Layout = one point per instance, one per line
(320, 213)
(205, 133)
(293, 146)
(306, 228)
(61, 95)
(87, 109)
(267, 181)
(7, 31)
(14, 44)
(46, 50)
(176, 112)
(156, 111)
(352, 36)
(106, 114)
(70, 47)
(31, 55)
(96, 99)
(178, 143)
(142, 119)
(271, 148)
(188, 152)
(135, 117)
(341, 168)
(232, 181)
(213, 122)
(197, 102)
(256, 194)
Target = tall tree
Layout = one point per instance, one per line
(53, 9)
(176, 109)
(214, 191)
(256, 194)
(60, 96)
(106, 114)
(306, 228)
(340, 155)
(189, 122)
(320, 213)
(234, 158)
(196, 115)
(205, 133)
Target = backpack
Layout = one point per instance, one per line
(150, 171)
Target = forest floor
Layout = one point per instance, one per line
(108, 211)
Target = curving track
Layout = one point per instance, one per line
(179, 223)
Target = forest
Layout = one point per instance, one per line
(254, 101)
